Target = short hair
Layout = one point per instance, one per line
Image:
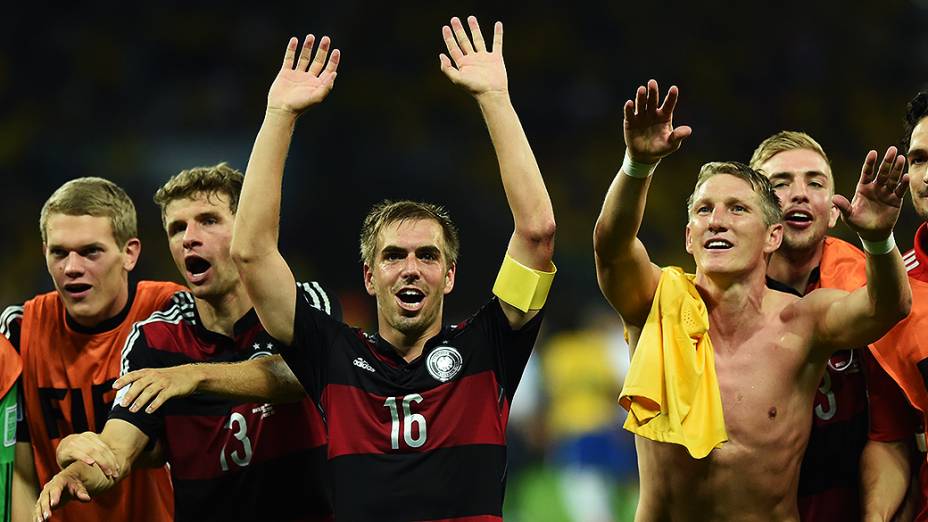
(770, 203)
(387, 212)
(93, 196)
(209, 181)
(914, 112)
(782, 142)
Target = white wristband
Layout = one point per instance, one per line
(636, 169)
(878, 248)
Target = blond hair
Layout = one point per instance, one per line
(387, 212)
(782, 142)
(92, 196)
(208, 181)
(770, 203)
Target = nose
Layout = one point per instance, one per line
(410, 267)
(191, 237)
(798, 193)
(73, 265)
(718, 220)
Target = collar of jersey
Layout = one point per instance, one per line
(241, 325)
(388, 353)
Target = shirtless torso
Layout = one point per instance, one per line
(767, 380)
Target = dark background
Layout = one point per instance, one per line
(135, 95)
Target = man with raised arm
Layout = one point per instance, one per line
(416, 412)
(243, 440)
(739, 362)
(858, 412)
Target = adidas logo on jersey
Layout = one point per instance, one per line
(361, 363)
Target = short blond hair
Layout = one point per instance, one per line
(92, 196)
(769, 202)
(782, 142)
(387, 212)
(208, 181)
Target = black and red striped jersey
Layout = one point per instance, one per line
(231, 460)
(424, 440)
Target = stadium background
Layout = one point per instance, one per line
(136, 95)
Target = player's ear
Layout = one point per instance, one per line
(774, 238)
(131, 251)
(449, 277)
(688, 240)
(368, 279)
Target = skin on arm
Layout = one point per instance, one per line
(884, 479)
(481, 71)
(861, 317)
(25, 486)
(82, 481)
(265, 379)
(300, 84)
(624, 270)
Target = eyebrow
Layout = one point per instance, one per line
(787, 173)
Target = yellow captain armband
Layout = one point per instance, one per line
(522, 287)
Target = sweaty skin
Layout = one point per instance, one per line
(767, 383)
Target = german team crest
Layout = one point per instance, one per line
(444, 363)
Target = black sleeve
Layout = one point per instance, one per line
(320, 299)
(314, 333)
(137, 355)
(11, 321)
(514, 347)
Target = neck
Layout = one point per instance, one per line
(732, 302)
(794, 267)
(220, 313)
(409, 345)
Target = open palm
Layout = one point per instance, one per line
(475, 68)
(649, 131)
(295, 89)
(873, 211)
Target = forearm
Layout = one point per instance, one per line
(888, 287)
(257, 222)
(266, 379)
(884, 479)
(25, 486)
(620, 217)
(522, 181)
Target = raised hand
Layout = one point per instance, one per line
(649, 131)
(90, 449)
(476, 68)
(302, 83)
(878, 199)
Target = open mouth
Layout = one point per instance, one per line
(410, 298)
(717, 244)
(196, 267)
(798, 218)
(77, 289)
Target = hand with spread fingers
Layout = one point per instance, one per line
(873, 211)
(475, 67)
(303, 82)
(90, 449)
(154, 386)
(60, 489)
(649, 131)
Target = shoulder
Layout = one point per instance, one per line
(318, 297)
(157, 290)
(179, 308)
(9, 318)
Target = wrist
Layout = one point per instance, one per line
(280, 114)
(492, 97)
(879, 247)
(637, 169)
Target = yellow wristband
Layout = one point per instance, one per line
(522, 287)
